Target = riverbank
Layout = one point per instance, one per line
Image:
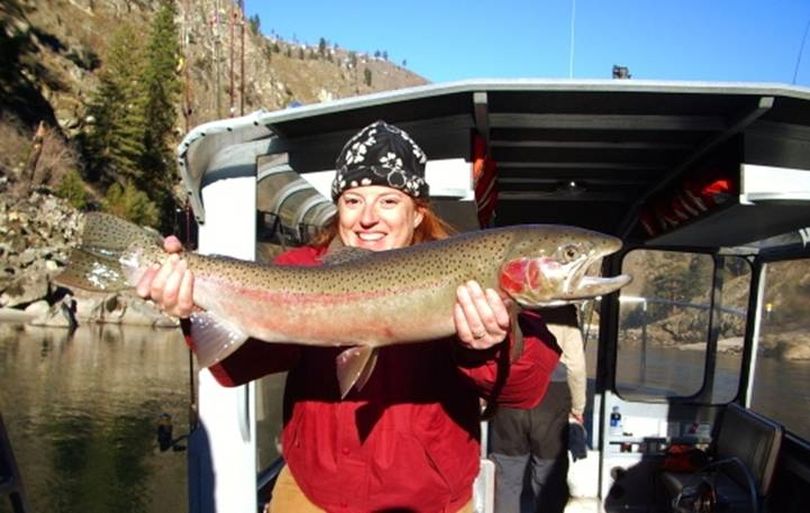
(789, 345)
(36, 235)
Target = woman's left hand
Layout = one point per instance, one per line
(481, 317)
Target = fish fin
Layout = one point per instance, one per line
(345, 254)
(106, 232)
(92, 271)
(517, 334)
(354, 366)
(367, 370)
(214, 338)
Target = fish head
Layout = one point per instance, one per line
(548, 265)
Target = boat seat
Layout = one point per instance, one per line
(743, 456)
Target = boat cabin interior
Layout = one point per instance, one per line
(707, 185)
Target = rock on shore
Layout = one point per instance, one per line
(36, 234)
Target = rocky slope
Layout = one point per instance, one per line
(52, 52)
(36, 235)
(56, 47)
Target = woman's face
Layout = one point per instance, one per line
(376, 217)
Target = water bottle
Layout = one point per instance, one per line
(615, 422)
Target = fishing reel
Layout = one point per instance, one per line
(165, 439)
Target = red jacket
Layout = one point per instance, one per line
(410, 439)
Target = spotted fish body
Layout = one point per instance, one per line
(366, 300)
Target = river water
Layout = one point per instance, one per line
(82, 413)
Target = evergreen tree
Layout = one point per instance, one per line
(114, 144)
(72, 189)
(134, 111)
(255, 23)
(162, 87)
(130, 203)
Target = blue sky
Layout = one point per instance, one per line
(717, 40)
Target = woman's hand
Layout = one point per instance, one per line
(481, 317)
(169, 285)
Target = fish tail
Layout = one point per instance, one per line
(89, 271)
(96, 263)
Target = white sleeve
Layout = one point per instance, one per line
(573, 356)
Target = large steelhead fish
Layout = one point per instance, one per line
(359, 298)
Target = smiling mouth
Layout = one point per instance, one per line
(370, 237)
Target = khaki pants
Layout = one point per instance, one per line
(288, 498)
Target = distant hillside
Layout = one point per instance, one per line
(53, 51)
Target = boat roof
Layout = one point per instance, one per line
(590, 153)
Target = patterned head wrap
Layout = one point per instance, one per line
(381, 154)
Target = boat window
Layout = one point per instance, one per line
(732, 291)
(669, 345)
(782, 370)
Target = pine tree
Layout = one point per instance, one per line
(255, 23)
(162, 87)
(114, 144)
(72, 189)
(130, 203)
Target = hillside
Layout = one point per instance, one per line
(53, 52)
(53, 58)
(676, 284)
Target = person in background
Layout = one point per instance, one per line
(409, 440)
(530, 446)
(68, 307)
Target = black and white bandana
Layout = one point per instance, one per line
(381, 154)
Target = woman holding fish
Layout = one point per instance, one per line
(406, 436)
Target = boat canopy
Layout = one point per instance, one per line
(665, 163)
